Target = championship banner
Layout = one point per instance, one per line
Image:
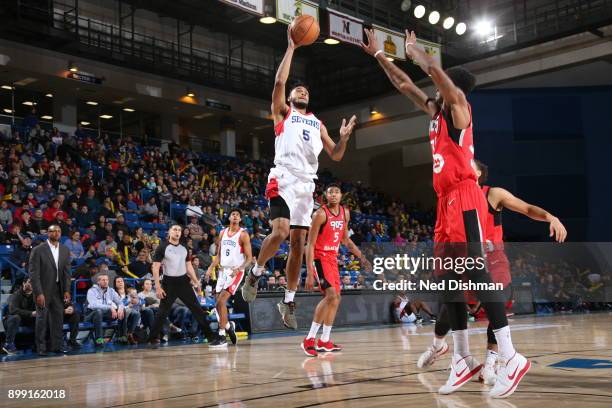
(287, 10)
(432, 49)
(391, 41)
(252, 6)
(345, 28)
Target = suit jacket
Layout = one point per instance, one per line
(44, 272)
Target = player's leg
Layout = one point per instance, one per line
(439, 346)
(308, 343)
(286, 307)
(328, 269)
(489, 372)
(169, 284)
(221, 308)
(185, 292)
(332, 295)
(465, 240)
(279, 215)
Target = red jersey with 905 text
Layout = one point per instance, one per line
(331, 234)
(453, 153)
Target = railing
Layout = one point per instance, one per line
(165, 57)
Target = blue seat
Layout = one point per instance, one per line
(6, 250)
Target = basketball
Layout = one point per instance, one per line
(304, 30)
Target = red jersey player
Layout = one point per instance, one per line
(497, 262)
(328, 230)
(462, 208)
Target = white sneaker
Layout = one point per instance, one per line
(463, 369)
(430, 355)
(489, 373)
(509, 375)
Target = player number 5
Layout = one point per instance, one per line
(306, 135)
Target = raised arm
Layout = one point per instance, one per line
(502, 198)
(452, 95)
(279, 106)
(336, 150)
(400, 80)
(318, 219)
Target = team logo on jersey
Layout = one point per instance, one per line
(434, 125)
(336, 224)
(438, 163)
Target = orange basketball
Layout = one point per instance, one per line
(304, 30)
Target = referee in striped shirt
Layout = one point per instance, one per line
(179, 281)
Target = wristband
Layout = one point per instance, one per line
(377, 52)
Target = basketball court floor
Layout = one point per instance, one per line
(571, 367)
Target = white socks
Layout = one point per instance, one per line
(221, 332)
(491, 358)
(438, 342)
(257, 270)
(504, 342)
(289, 295)
(314, 328)
(326, 333)
(462, 344)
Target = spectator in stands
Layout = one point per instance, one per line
(77, 252)
(72, 319)
(361, 283)
(149, 210)
(27, 225)
(106, 247)
(197, 268)
(151, 304)
(132, 312)
(209, 218)
(85, 217)
(346, 283)
(104, 269)
(22, 312)
(195, 230)
(38, 222)
(140, 268)
(193, 210)
(21, 253)
(6, 216)
(104, 304)
(272, 283)
(282, 283)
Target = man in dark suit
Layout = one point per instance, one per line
(50, 273)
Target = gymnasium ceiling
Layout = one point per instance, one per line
(337, 74)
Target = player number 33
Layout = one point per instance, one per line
(36, 394)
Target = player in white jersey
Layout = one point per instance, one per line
(233, 255)
(300, 137)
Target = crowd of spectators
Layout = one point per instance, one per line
(113, 198)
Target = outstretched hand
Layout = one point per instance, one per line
(372, 46)
(347, 128)
(290, 43)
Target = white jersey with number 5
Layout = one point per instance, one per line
(298, 144)
(232, 254)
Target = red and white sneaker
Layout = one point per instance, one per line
(327, 346)
(308, 345)
(463, 369)
(430, 355)
(509, 374)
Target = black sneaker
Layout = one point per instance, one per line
(74, 344)
(218, 343)
(231, 332)
(154, 344)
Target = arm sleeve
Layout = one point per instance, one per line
(159, 254)
(14, 308)
(34, 266)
